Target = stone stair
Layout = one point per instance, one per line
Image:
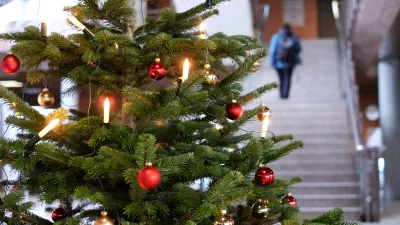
(316, 114)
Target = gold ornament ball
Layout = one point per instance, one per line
(46, 98)
(224, 219)
(207, 66)
(212, 78)
(259, 209)
(104, 219)
(255, 66)
(266, 113)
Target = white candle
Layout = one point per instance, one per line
(202, 28)
(185, 74)
(265, 125)
(80, 26)
(76, 22)
(48, 128)
(106, 111)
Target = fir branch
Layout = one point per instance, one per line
(49, 151)
(145, 150)
(334, 217)
(281, 138)
(273, 155)
(17, 105)
(256, 93)
(243, 71)
(29, 33)
(196, 10)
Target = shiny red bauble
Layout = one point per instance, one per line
(10, 64)
(58, 214)
(289, 199)
(149, 177)
(157, 70)
(264, 176)
(234, 110)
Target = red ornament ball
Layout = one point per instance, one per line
(264, 176)
(149, 177)
(234, 110)
(10, 63)
(289, 199)
(58, 214)
(157, 70)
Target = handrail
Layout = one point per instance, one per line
(350, 90)
(367, 157)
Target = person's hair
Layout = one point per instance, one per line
(287, 27)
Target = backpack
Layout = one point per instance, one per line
(286, 50)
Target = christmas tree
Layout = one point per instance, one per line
(138, 163)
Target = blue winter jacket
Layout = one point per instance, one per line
(273, 48)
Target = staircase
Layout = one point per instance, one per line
(315, 113)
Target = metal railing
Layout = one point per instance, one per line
(366, 157)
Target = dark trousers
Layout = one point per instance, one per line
(285, 76)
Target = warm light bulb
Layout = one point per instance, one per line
(218, 126)
(48, 128)
(44, 17)
(106, 118)
(185, 74)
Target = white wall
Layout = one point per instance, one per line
(234, 16)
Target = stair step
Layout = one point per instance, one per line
(302, 161)
(325, 188)
(331, 200)
(311, 158)
(320, 165)
(319, 176)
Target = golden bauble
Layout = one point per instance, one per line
(223, 219)
(255, 66)
(46, 98)
(207, 66)
(212, 78)
(104, 219)
(260, 209)
(266, 113)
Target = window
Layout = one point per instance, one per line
(293, 12)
